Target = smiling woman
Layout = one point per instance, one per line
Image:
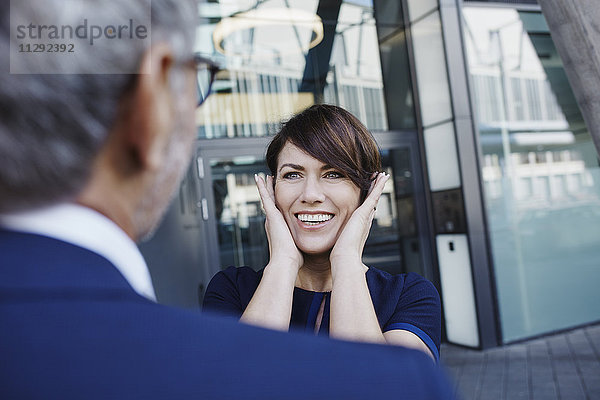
(319, 203)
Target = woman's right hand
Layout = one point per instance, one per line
(282, 249)
(271, 304)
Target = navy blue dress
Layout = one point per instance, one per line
(405, 301)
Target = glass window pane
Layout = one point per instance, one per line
(240, 220)
(393, 244)
(432, 78)
(397, 83)
(442, 159)
(540, 173)
(281, 57)
(390, 16)
(418, 8)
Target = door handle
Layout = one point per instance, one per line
(200, 167)
(204, 205)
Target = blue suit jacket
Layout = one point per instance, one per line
(73, 328)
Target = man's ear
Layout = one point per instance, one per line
(152, 108)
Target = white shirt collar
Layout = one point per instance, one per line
(91, 230)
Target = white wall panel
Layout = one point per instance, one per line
(457, 290)
(442, 158)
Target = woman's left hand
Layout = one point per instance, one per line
(350, 244)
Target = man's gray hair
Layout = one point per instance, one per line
(52, 126)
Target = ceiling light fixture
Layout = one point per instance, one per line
(267, 17)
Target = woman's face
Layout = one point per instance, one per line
(315, 199)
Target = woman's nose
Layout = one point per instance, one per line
(312, 191)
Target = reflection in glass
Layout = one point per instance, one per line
(540, 175)
(272, 72)
(393, 243)
(430, 64)
(396, 75)
(418, 8)
(240, 220)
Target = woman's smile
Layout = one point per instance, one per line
(313, 219)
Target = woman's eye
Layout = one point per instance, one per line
(333, 175)
(291, 175)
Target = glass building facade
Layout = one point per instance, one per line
(494, 194)
(540, 174)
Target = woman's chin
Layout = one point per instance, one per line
(316, 253)
(314, 250)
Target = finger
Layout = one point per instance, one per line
(265, 197)
(270, 184)
(271, 188)
(374, 177)
(376, 190)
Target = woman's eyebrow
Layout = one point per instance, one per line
(292, 166)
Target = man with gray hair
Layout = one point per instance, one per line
(96, 129)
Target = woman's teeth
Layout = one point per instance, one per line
(314, 219)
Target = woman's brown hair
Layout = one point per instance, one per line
(333, 136)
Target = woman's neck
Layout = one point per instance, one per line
(315, 274)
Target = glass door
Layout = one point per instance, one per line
(238, 215)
